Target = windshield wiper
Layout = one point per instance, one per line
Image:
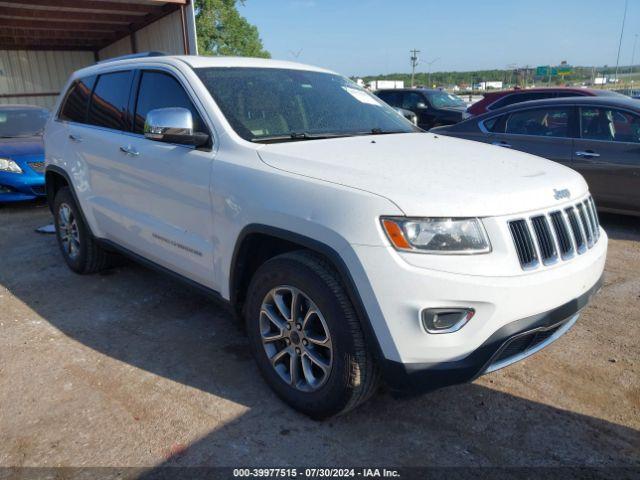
(380, 131)
(298, 136)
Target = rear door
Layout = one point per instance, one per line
(543, 131)
(94, 147)
(608, 156)
(166, 186)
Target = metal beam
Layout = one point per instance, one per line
(44, 24)
(14, 95)
(47, 33)
(29, 14)
(97, 5)
(44, 44)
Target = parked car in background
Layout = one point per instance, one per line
(354, 245)
(21, 152)
(408, 114)
(597, 136)
(432, 107)
(503, 98)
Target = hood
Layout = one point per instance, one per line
(429, 175)
(13, 147)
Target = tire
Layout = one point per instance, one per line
(352, 376)
(77, 245)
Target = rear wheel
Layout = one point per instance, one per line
(306, 337)
(79, 249)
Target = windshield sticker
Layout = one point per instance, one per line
(361, 96)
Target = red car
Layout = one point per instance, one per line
(494, 100)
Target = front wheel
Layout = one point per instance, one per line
(306, 337)
(79, 249)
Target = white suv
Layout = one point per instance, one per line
(355, 246)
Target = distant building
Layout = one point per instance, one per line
(494, 85)
(380, 84)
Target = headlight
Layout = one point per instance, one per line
(437, 235)
(7, 165)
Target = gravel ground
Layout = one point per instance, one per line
(131, 368)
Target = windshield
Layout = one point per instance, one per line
(445, 100)
(269, 104)
(22, 122)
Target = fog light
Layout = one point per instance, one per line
(446, 320)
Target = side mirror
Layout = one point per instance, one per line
(173, 125)
(422, 105)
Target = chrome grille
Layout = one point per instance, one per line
(578, 234)
(557, 234)
(524, 244)
(544, 238)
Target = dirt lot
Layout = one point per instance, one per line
(132, 368)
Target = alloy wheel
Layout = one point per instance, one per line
(68, 231)
(296, 338)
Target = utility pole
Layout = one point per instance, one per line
(414, 64)
(624, 18)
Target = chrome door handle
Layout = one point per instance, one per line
(501, 144)
(75, 138)
(587, 154)
(129, 151)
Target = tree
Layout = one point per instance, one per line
(223, 31)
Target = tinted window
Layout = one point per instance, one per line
(410, 100)
(609, 125)
(74, 108)
(392, 98)
(520, 97)
(280, 103)
(491, 124)
(544, 122)
(109, 101)
(161, 90)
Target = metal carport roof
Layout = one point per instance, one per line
(79, 24)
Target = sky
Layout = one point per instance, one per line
(369, 37)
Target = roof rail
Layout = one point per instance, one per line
(134, 55)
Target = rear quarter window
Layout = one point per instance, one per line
(76, 102)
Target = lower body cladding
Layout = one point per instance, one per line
(19, 187)
(513, 317)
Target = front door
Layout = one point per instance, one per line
(168, 214)
(417, 103)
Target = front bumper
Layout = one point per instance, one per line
(511, 343)
(18, 187)
(507, 302)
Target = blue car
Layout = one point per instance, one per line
(21, 152)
